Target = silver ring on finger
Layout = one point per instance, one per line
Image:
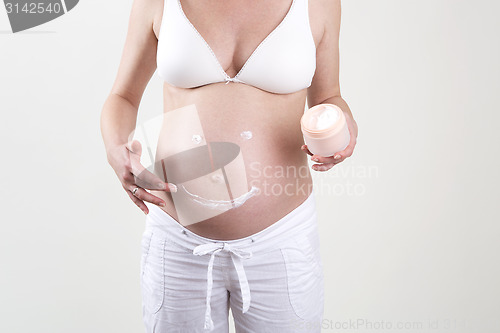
(135, 190)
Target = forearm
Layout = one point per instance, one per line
(118, 120)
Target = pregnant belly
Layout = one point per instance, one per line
(237, 165)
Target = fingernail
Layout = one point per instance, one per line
(336, 157)
(162, 186)
(315, 159)
(172, 187)
(145, 212)
(162, 204)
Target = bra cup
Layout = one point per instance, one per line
(285, 63)
(183, 59)
(184, 62)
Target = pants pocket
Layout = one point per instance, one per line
(145, 243)
(153, 277)
(304, 277)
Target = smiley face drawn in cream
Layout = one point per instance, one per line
(210, 175)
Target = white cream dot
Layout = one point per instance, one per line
(196, 138)
(247, 135)
(217, 178)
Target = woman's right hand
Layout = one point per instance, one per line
(125, 161)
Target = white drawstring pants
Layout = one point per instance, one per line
(272, 280)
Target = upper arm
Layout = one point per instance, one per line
(138, 61)
(325, 83)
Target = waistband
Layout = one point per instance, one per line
(300, 221)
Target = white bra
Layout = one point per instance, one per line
(284, 62)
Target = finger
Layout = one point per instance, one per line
(323, 167)
(144, 195)
(305, 149)
(138, 202)
(322, 159)
(135, 147)
(149, 180)
(347, 152)
(146, 179)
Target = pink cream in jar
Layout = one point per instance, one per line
(325, 129)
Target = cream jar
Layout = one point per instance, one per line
(325, 130)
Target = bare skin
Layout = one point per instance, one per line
(273, 118)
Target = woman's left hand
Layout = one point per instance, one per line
(326, 163)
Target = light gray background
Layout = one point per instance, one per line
(416, 238)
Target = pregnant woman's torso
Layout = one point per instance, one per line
(264, 126)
